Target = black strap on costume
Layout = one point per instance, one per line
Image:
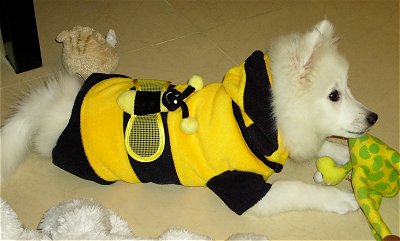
(257, 101)
(277, 167)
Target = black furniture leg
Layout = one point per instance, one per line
(20, 37)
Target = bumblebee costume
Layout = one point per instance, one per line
(234, 150)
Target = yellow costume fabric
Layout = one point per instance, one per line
(228, 145)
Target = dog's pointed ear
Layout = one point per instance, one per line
(322, 33)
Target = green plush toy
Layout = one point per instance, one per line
(375, 175)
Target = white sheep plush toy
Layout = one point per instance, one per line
(84, 219)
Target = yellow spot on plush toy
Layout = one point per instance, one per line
(376, 168)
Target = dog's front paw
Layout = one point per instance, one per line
(343, 202)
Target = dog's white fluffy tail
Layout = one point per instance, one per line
(15, 137)
(38, 119)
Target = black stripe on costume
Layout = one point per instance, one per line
(147, 102)
(250, 140)
(162, 170)
(239, 190)
(68, 154)
(258, 104)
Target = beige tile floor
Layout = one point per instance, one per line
(173, 39)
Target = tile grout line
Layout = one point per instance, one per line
(227, 55)
(198, 32)
(161, 43)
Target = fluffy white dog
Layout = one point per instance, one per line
(310, 102)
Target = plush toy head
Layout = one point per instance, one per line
(376, 169)
(86, 51)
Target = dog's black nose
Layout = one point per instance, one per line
(372, 118)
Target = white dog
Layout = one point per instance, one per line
(310, 102)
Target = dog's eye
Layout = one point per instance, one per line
(334, 96)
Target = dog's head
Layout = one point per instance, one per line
(311, 85)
